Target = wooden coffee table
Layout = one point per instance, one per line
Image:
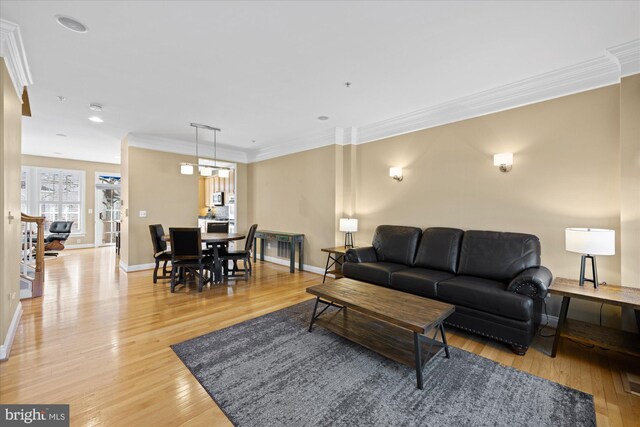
(389, 322)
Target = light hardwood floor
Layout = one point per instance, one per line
(99, 340)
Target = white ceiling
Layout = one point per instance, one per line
(265, 71)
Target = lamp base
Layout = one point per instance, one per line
(594, 270)
(348, 240)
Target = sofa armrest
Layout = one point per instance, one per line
(367, 254)
(532, 282)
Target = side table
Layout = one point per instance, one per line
(292, 239)
(335, 258)
(587, 333)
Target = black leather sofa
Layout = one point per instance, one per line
(494, 279)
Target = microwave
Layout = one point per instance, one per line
(217, 198)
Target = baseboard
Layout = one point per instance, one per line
(5, 348)
(81, 246)
(137, 267)
(282, 261)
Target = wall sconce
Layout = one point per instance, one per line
(396, 173)
(504, 161)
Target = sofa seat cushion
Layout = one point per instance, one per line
(372, 272)
(485, 295)
(419, 281)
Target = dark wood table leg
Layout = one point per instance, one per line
(217, 265)
(563, 316)
(262, 249)
(301, 255)
(418, 354)
(292, 261)
(255, 248)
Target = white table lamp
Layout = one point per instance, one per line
(348, 226)
(590, 242)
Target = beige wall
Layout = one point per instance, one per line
(90, 169)
(296, 193)
(10, 231)
(242, 204)
(630, 186)
(154, 184)
(151, 181)
(630, 176)
(566, 173)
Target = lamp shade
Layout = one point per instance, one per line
(223, 173)
(590, 241)
(205, 171)
(395, 171)
(349, 225)
(503, 159)
(186, 169)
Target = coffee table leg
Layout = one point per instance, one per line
(418, 353)
(444, 340)
(563, 315)
(313, 315)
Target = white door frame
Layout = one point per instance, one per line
(97, 242)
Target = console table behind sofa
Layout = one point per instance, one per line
(281, 236)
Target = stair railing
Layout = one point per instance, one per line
(32, 255)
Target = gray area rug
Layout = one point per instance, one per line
(270, 371)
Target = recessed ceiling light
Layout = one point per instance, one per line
(61, 98)
(96, 119)
(71, 24)
(61, 134)
(95, 106)
(253, 140)
(323, 118)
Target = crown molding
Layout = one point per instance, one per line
(296, 144)
(584, 76)
(177, 146)
(628, 57)
(12, 50)
(616, 62)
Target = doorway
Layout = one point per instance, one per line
(107, 208)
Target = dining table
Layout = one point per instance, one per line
(214, 239)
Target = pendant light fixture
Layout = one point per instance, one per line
(203, 169)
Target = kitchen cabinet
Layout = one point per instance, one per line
(215, 184)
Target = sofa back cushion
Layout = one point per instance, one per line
(439, 249)
(396, 243)
(497, 256)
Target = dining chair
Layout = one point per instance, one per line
(160, 252)
(244, 255)
(217, 227)
(187, 256)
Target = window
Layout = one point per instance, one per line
(56, 194)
